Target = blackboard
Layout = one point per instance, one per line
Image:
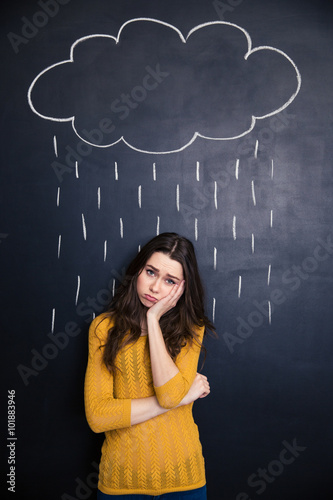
(211, 119)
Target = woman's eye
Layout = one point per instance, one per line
(170, 282)
(150, 272)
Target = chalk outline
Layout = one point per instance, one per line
(183, 39)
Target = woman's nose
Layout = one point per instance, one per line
(154, 286)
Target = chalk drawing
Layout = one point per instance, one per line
(105, 249)
(269, 312)
(234, 227)
(237, 168)
(77, 289)
(59, 245)
(256, 149)
(76, 170)
(113, 287)
(215, 194)
(239, 286)
(272, 169)
(271, 220)
(214, 307)
(139, 196)
(215, 258)
(154, 171)
(177, 197)
(252, 243)
(121, 227)
(269, 274)
(99, 198)
(53, 319)
(253, 193)
(58, 196)
(196, 229)
(198, 171)
(55, 146)
(158, 226)
(84, 229)
(250, 50)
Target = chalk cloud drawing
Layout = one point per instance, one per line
(157, 91)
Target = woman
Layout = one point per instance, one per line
(142, 378)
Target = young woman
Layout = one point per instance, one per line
(142, 379)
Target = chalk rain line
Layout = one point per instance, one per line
(77, 289)
(59, 245)
(234, 227)
(215, 258)
(256, 149)
(239, 286)
(84, 229)
(55, 146)
(58, 196)
(253, 193)
(158, 226)
(215, 194)
(177, 197)
(237, 169)
(53, 320)
(99, 198)
(214, 307)
(154, 171)
(139, 195)
(196, 229)
(198, 171)
(121, 227)
(77, 170)
(105, 249)
(115, 171)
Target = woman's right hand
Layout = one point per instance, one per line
(199, 389)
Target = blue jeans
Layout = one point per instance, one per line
(198, 494)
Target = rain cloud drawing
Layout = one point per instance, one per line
(158, 91)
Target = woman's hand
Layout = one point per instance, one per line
(199, 389)
(168, 302)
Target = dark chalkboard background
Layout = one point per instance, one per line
(266, 428)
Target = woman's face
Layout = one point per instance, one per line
(157, 278)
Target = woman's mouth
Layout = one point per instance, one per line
(150, 298)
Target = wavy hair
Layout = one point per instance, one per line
(179, 324)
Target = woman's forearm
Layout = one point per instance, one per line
(146, 408)
(143, 409)
(162, 366)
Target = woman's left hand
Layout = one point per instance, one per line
(168, 302)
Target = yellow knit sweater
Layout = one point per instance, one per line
(160, 455)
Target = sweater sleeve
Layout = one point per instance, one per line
(170, 394)
(103, 411)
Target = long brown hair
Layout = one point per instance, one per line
(177, 325)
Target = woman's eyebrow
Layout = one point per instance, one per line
(157, 271)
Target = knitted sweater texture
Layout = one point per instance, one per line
(162, 454)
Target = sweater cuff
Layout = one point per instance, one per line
(127, 412)
(170, 394)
